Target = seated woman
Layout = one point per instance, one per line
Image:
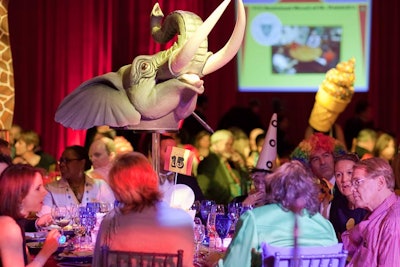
(75, 186)
(290, 189)
(21, 192)
(27, 150)
(142, 222)
(344, 214)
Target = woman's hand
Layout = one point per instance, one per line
(49, 247)
(51, 243)
(44, 220)
(255, 199)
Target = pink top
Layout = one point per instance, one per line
(376, 241)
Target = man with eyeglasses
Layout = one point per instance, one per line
(376, 240)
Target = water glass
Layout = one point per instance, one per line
(93, 206)
(205, 209)
(223, 225)
(88, 220)
(199, 235)
(211, 233)
(106, 207)
(245, 208)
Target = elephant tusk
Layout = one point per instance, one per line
(223, 56)
(183, 56)
(156, 18)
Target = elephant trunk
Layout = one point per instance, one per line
(190, 53)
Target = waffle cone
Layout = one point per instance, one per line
(333, 96)
(326, 110)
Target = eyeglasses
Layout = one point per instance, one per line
(64, 160)
(357, 182)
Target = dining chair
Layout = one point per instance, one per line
(331, 256)
(118, 258)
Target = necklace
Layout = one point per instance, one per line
(78, 191)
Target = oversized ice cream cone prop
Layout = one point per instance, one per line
(267, 159)
(333, 96)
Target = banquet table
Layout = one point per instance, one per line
(53, 262)
(207, 254)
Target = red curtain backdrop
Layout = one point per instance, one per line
(57, 45)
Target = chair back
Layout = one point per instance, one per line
(331, 256)
(117, 258)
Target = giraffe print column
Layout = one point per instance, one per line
(6, 73)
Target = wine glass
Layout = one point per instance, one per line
(106, 207)
(205, 209)
(196, 206)
(93, 206)
(88, 220)
(222, 226)
(61, 217)
(245, 208)
(215, 209)
(199, 235)
(234, 211)
(79, 231)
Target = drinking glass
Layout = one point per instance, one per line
(215, 209)
(222, 226)
(61, 217)
(88, 220)
(234, 211)
(93, 206)
(196, 206)
(205, 209)
(199, 235)
(79, 231)
(245, 208)
(106, 207)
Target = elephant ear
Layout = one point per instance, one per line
(98, 101)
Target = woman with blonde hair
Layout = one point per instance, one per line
(385, 147)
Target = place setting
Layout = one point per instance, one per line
(78, 227)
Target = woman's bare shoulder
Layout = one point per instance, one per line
(9, 227)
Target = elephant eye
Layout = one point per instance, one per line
(144, 66)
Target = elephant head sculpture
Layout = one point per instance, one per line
(155, 91)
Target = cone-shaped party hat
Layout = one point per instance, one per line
(268, 153)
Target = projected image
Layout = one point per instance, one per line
(305, 49)
(289, 45)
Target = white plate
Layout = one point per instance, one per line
(35, 235)
(38, 245)
(179, 196)
(51, 227)
(77, 254)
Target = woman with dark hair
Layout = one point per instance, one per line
(75, 187)
(291, 190)
(21, 192)
(142, 222)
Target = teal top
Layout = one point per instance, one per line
(273, 225)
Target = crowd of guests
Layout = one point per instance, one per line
(339, 193)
